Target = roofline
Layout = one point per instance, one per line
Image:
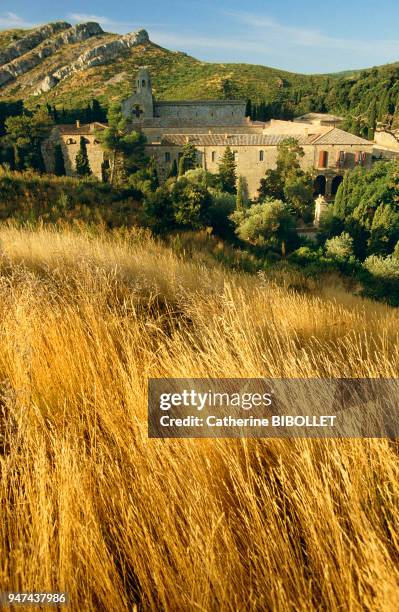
(195, 102)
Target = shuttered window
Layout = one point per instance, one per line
(261, 155)
(213, 156)
(323, 159)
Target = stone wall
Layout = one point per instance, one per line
(213, 113)
(250, 165)
(70, 147)
(387, 139)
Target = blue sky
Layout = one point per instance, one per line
(307, 36)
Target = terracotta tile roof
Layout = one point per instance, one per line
(332, 136)
(337, 136)
(87, 128)
(233, 140)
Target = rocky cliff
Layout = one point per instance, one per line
(101, 54)
(30, 41)
(42, 44)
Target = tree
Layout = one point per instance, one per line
(289, 154)
(188, 158)
(191, 203)
(82, 161)
(26, 133)
(271, 186)
(172, 170)
(384, 232)
(288, 182)
(59, 164)
(227, 171)
(242, 193)
(269, 224)
(158, 212)
(298, 192)
(125, 149)
(372, 120)
(340, 246)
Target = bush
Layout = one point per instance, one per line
(340, 247)
(381, 278)
(269, 224)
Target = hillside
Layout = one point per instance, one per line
(67, 66)
(107, 72)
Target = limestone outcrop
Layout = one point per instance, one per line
(31, 40)
(33, 58)
(101, 54)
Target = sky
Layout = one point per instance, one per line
(306, 36)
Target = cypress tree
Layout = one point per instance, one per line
(82, 160)
(59, 164)
(241, 200)
(227, 171)
(173, 169)
(248, 110)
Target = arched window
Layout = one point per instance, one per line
(70, 141)
(337, 180)
(320, 185)
(261, 155)
(143, 83)
(213, 156)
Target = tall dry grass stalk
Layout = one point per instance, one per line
(91, 506)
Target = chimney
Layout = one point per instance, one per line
(78, 123)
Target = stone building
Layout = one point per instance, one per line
(213, 125)
(68, 136)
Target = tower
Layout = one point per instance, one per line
(139, 108)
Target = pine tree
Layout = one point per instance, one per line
(59, 164)
(82, 160)
(227, 171)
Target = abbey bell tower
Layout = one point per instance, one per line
(140, 106)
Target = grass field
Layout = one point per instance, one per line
(91, 506)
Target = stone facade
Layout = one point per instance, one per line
(69, 139)
(143, 111)
(212, 126)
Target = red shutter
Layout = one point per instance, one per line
(364, 157)
(323, 159)
(357, 157)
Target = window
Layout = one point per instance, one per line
(70, 141)
(167, 157)
(213, 156)
(261, 155)
(235, 155)
(323, 159)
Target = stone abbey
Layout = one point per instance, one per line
(213, 125)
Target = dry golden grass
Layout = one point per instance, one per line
(91, 506)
